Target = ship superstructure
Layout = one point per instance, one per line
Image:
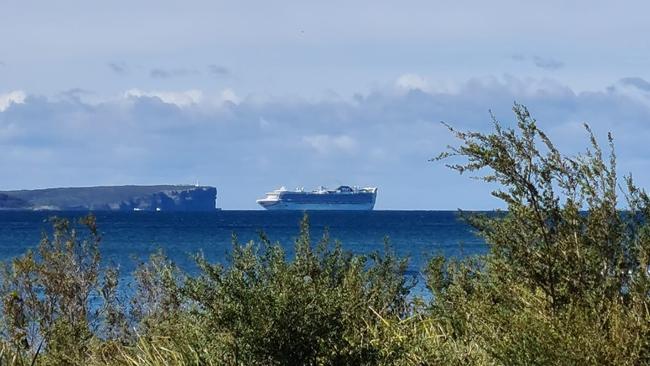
(341, 198)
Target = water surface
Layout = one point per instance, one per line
(132, 236)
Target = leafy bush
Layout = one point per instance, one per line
(567, 278)
(265, 309)
(47, 296)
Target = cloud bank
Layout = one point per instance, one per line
(246, 146)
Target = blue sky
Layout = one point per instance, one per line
(251, 95)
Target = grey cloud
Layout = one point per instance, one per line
(119, 68)
(76, 94)
(547, 63)
(383, 138)
(160, 73)
(218, 70)
(636, 82)
(518, 57)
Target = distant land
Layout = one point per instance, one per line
(113, 198)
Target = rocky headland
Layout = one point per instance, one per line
(113, 198)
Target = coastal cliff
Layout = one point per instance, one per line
(113, 198)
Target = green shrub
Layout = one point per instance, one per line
(313, 309)
(567, 278)
(47, 297)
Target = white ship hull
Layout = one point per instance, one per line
(317, 207)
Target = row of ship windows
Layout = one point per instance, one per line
(327, 199)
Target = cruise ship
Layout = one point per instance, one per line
(342, 198)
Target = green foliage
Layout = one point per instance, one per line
(311, 310)
(47, 296)
(566, 281)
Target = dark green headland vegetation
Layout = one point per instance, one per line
(566, 282)
(112, 198)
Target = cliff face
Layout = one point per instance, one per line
(113, 198)
(195, 199)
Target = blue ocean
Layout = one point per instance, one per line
(130, 237)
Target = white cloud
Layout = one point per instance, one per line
(16, 96)
(187, 98)
(228, 95)
(633, 88)
(412, 82)
(180, 99)
(325, 144)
